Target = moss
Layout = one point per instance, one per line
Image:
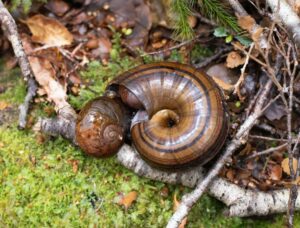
(15, 87)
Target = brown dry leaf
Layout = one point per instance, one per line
(128, 199)
(48, 31)
(3, 105)
(230, 174)
(222, 84)
(285, 165)
(234, 60)
(58, 7)
(276, 172)
(45, 74)
(176, 204)
(258, 31)
(246, 22)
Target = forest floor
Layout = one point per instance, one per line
(49, 182)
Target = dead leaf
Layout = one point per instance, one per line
(92, 44)
(128, 199)
(285, 165)
(234, 60)
(176, 204)
(275, 111)
(223, 84)
(3, 105)
(246, 22)
(45, 74)
(230, 174)
(48, 31)
(275, 172)
(256, 35)
(58, 7)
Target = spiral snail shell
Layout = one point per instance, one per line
(180, 119)
(101, 126)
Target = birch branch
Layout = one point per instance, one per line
(10, 29)
(287, 15)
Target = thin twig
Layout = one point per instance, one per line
(184, 43)
(10, 28)
(242, 77)
(267, 151)
(267, 138)
(212, 58)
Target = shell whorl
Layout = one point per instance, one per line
(189, 100)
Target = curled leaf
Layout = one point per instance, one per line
(234, 60)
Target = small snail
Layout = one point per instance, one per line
(180, 117)
(101, 126)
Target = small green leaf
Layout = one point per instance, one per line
(220, 32)
(244, 40)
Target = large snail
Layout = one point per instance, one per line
(180, 117)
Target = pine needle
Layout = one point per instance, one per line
(215, 10)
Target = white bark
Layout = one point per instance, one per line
(241, 202)
(287, 16)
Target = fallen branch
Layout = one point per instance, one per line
(287, 16)
(10, 30)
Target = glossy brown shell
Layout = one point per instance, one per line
(101, 126)
(201, 124)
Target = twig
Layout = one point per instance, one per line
(184, 43)
(267, 151)
(10, 28)
(251, 56)
(266, 127)
(203, 19)
(291, 72)
(267, 138)
(242, 77)
(210, 59)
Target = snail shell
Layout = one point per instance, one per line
(182, 119)
(101, 126)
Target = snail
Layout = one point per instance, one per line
(180, 116)
(101, 126)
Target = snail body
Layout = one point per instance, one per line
(180, 120)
